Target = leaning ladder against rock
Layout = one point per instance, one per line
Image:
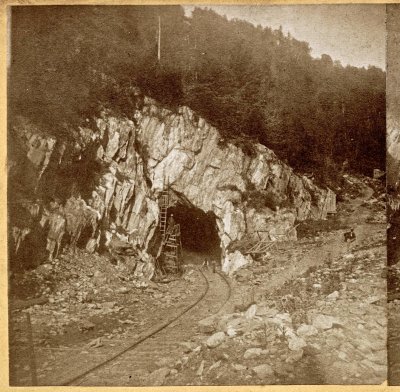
(164, 204)
(171, 244)
(173, 248)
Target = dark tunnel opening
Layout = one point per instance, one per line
(199, 234)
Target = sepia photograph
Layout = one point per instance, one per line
(197, 195)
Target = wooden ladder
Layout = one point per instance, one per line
(172, 249)
(164, 204)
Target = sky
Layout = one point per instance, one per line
(354, 34)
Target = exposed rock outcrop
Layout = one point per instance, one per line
(114, 171)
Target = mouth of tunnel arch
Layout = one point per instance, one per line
(199, 234)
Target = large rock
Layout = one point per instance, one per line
(296, 343)
(251, 311)
(234, 261)
(215, 339)
(294, 356)
(305, 330)
(263, 371)
(235, 325)
(207, 325)
(324, 322)
(251, 353)
(157, 377)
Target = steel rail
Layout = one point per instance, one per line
(146, 336)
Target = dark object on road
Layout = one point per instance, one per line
(350, 236)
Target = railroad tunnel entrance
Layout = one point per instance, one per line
(199, 234)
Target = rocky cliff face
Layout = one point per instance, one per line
(70, 192)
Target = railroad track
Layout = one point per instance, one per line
(128, 361)
(132, 364)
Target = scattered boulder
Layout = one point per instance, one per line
(200, 370)
(108, 305)
(306, 330)
(241, 325)
(238, 367)
(234, 261)
(252, 353)
(263, 371)
(127, 321)
(296, 343)
(295, 356)
(207, 325)
(157, 377)
(95, 343)
(333, 296)
(282, 318)
(324, 322)
(187, 347)
(215, 340)
(123, 290)
(214, 366)
(251, 312)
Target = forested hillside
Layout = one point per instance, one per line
(253, 83)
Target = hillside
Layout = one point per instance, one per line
(252, 83)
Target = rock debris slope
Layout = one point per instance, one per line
(110, 175)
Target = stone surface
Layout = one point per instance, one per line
(207, 325)
(251, 312)
(157, 377)
(333, 296)
(323, 322)
(263, 371)
(306, 330)
(139, 156)
(252, 353)
(200, 370)
(238, 367)
(295, 356)
(295, 343)
(234, 261)
(215, 339)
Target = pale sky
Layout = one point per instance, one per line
(355, 34)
